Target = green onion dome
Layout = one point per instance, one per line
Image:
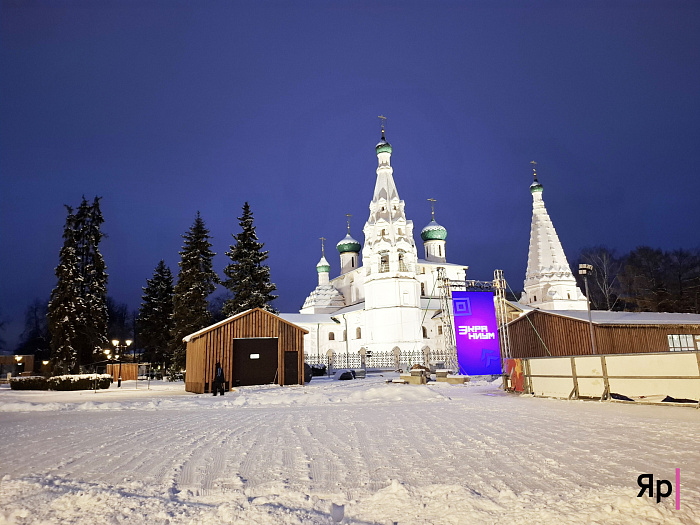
(323, 266)
(383, 147)
(348, 244)
(433, 232)
(536, 187)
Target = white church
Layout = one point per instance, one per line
(388, 298)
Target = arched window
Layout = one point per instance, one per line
(425, 332)
(358, 333)
(353, 262)
(402, 263)
(331, 336)
(384, 262)
(422, 289)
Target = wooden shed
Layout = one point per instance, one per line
(540, 333)
(254, 347)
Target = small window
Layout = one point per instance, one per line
(358, 333)
(383, 232)
(679, 343)
(422, 289)
(331, 336)
(534, 298)
(439, 329)
(345, 335)
(439, 250)
(568, 296)
(425, 333)
(353, 262)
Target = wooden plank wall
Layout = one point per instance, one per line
(205, 350)
(129, 371)
(566, 337)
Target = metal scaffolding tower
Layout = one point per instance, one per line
(498, 286)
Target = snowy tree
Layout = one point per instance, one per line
(66, 308)
(156, 316)
(92, 327)
(195, 282)
(247, 278)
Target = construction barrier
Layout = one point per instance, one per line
(668, 377)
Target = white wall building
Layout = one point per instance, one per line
(388, 298)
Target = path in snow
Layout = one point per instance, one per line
(389, 453)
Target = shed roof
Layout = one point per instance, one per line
(203, 331)
(605, 317)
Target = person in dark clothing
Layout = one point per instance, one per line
(219, 383)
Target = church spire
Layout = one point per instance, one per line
(549, 283)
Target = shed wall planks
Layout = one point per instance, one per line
(213, 345)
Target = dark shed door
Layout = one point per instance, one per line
(254, 361)
(291, 368)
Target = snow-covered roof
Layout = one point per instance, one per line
(188, 338)
(307, 318)
(431, 263)
(605, 317)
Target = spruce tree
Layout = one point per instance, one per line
(66, 308)
(196, 280)
(247, 278)
(155, 316)
(92, 328)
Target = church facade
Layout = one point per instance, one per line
(386, 297)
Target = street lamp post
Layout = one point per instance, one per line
(585, 269)
(117, 345)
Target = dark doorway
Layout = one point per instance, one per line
(254, 362)
(291, 368)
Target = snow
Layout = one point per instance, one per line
(386, 453)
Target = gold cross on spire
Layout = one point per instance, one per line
(432, 207)
(534, 169)
(323, 249)
(348, 216)
(382, 119)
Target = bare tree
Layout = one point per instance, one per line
(604, 286)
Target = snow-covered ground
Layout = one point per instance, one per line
(388, 453)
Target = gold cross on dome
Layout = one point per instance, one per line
(432, 207)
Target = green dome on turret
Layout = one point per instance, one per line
(535, 187)
(383, 146)
(433, 232)
(348, 244)
(323, 266)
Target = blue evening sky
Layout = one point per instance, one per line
(165, 107)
